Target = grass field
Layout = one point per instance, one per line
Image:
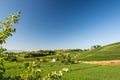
(77, 71)
(108, 52)
(80, 71)
(94, 73)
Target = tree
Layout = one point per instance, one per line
(6, 28)
(95, 46)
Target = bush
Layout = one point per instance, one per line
(11, 57)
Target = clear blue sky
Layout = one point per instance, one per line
(62, 24)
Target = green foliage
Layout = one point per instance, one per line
(38, 53)
(2, 49)
(6, 28)
(31, 72)
(67, 58)
(2, 69)
(10, 56)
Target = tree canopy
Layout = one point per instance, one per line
(6, 27)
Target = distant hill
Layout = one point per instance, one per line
(108, 52)
(16, 51)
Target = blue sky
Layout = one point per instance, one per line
(62, 24)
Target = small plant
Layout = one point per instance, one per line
(2, 69)
(31, 72)
(55, 74)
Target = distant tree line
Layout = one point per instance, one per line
(40, 53)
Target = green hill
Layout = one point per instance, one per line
(108, 52)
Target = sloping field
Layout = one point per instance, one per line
(108, 52)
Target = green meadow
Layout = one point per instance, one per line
(77, 71)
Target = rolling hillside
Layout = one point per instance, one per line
(108, 52)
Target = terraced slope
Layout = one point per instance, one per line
(108, 52)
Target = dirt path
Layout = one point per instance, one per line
(110, 62)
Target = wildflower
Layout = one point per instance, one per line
(60, 74)
(38, 71)
(65, 69)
